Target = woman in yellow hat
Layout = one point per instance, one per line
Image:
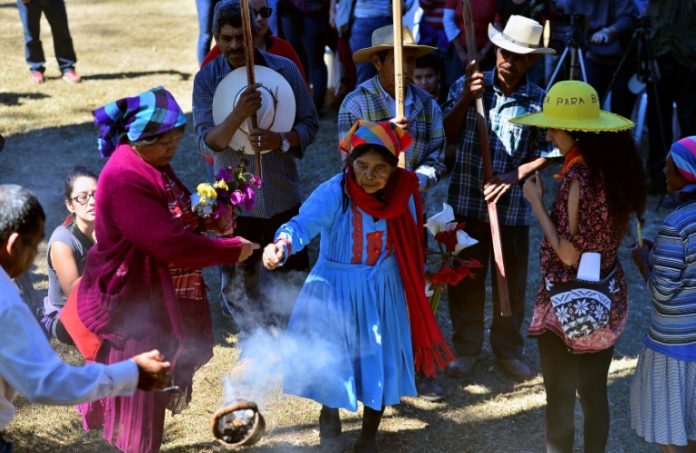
(576, 321)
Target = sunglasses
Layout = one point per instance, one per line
(265, 12)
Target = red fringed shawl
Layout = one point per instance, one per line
(429, 347)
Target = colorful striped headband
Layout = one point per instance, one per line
(147, 115)
(683, 154)
(383, 133)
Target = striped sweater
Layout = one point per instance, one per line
(672, 285)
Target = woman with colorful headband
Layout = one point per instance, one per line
(663, 393)
(142, 286)
(363, 307)
(602, 185)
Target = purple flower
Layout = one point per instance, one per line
(255, 181)
(236, 198)
(224, 173)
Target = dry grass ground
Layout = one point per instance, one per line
(127, 46)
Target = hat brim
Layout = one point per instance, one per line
(277, 115)
(365, 55)
(499, 40)
(605, 122)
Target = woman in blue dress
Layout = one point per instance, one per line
(364, 321)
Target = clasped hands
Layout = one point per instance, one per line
(247, 106)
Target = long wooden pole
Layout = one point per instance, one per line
(249, 61)
(482, 129)
(398, 67)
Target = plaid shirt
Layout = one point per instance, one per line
(426, 155)
(511, 146)
(281, 185)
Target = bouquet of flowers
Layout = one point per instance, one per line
(451, 239)
(219, 203)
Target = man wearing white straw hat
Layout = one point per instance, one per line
(373, 100)
(515, 153)
(287, 125)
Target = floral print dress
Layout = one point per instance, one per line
(596, 233)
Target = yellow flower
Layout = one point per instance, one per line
(204, 189)
(221, 184)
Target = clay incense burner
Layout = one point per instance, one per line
(238, 424)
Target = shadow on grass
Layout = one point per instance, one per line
(135, 74)
(12, 99)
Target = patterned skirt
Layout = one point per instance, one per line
(663, 399)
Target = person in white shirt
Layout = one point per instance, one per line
(28, 365)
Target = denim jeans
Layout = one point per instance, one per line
(361, 38)
(205, 10)
(566, 373)
(307, 33)
(468, 298)
(57, 17)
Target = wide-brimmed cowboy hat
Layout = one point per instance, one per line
(277, 112)
(573, 105)
(521, 35)
(383, 39)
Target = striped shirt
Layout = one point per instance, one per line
(427, 153)
(432, 12)
(511, 146)
(281, 185)
(672, 285)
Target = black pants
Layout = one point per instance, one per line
(467, 300)
(241, 295)
(564, 374)
(676, 84)
(599, 75)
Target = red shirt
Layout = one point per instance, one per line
(482, 13)
(278, 47)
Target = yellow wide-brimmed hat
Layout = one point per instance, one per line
(572, 105)
(383, 39)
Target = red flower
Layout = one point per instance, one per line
(449, 276)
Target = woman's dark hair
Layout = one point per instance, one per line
(229, 12)
(21, 212)
(381, 150)
(78, 172)
(613, 159)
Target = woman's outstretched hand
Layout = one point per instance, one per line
(273, 255)
(248, 248)
(533, 188)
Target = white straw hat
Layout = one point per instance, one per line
(277, 112)
(521, 36)
(383, 39)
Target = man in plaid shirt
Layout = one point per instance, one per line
(516, 152)
(373, 100)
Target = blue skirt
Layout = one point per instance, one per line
(349, 337)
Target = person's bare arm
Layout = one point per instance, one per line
(534, 192)
(65, 266)
(500, 184)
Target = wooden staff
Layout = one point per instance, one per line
(482, 129)
(249, 61)
(639, 233)
(398, 67)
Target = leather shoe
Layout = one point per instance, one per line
(514, 367)
(462, 365)
(429, 389)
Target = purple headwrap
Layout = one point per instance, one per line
(147, 115)
(683, 153)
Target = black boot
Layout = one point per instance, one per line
(329, 425)
(371, 419)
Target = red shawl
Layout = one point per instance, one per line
(429, 347)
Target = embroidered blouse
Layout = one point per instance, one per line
(595, 233)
